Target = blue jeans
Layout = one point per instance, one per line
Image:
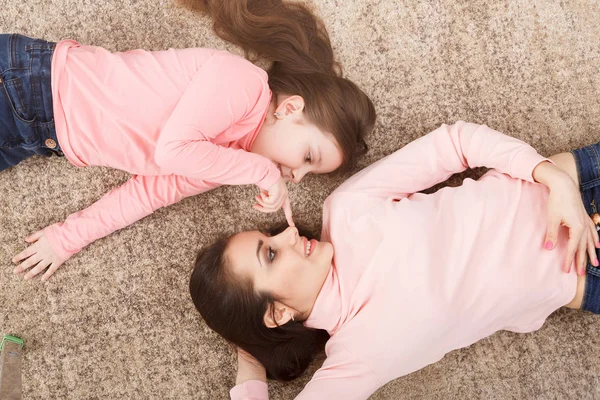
(26, 115)
(587, 160)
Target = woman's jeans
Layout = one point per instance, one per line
(587, 160)
(26, 115)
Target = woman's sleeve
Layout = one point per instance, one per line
(122, 206)
(250, 390)
(340, 377)
(228, 90)
(434, 157)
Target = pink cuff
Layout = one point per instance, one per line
(250, 390)
(270, 179)
(50, 234)
(524, 163)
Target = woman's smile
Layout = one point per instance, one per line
(309, 246)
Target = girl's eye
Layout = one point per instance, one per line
(271, 254)
(308, 158)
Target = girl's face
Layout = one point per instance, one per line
(290, 267)
(295, 145)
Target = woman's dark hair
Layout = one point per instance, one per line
(296, 43)
(231, 307)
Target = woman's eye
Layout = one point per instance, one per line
(271, 254)
(308, 158)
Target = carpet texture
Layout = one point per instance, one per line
(115, 322)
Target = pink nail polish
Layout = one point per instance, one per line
(596, 263)
(548, 245)
(598, 245)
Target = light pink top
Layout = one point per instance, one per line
(416, 276)
(182, 121)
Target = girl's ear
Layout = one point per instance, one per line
(278, 314)
(290, 105)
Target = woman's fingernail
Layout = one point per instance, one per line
(548, 245)
(598, 244)
(596, 263)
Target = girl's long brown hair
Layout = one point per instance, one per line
(296, 44)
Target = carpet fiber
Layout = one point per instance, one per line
(116, 322)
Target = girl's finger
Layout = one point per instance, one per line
(53, 267)
(259, 200)
(263, 209)
(34, 237)
(28, 252)
(267, 205)
(42, 265)
(287, 210)
(28, 263)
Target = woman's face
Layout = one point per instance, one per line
(290, 267)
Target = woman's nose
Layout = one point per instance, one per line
(291, 235)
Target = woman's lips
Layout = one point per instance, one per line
(313, 246)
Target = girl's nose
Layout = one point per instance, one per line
(298, 174)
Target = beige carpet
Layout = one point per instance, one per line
(115, 322)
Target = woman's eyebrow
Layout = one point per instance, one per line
(260, 244)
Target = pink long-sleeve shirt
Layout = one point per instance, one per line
(182, 121)
(415, 276)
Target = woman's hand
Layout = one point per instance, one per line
(274, 199)
(249, 368)
(38, 256)
(566, 208)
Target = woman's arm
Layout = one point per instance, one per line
(566, 208)
(138, 197)
(433, 158)
(340, 377)
(251, 380)
(436, 156)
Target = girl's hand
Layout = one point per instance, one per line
(249, 368)
(566, 208)
(274, 199)
(38, 256)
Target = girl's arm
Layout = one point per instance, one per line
(122, 206)
(436, 156)
(226, 99)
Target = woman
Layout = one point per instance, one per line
(402, 278)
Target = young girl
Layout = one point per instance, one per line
(182, 121)
(401, 278)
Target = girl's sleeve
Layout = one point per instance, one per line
(122, 206)
(340, 377)
(434, 157)
(226, 91)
